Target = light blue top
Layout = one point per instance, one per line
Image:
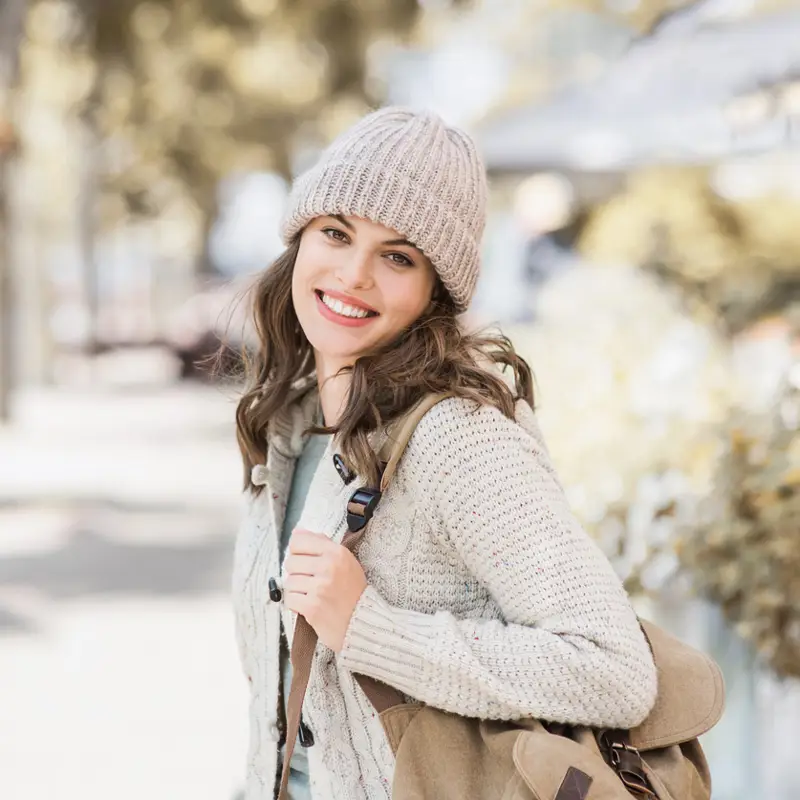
(301, 481)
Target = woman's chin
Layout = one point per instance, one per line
(336, 352)
(335, 342)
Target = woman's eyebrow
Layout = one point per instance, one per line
(393, 242)
(340, 218)
(403, 242)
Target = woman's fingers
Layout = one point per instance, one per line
(298, 584)
(302, 565)
(308, 543)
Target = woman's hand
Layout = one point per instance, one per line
(324, 582)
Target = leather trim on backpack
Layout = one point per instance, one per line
(575, 785)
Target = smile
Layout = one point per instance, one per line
(341, 312)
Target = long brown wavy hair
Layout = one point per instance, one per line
(434, 354)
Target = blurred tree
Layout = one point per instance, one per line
(187, 91)
(647, 16)
(12, 13)
(743, 550)
(735, 261)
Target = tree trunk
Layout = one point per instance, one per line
(12, 15)
(5, 299)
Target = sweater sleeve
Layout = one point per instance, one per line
(568, 648)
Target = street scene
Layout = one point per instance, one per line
(641, 252)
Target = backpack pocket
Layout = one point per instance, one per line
(558, 768)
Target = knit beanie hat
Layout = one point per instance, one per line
(411, 172)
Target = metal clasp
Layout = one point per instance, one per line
(614, 749)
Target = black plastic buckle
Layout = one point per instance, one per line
(361, 506)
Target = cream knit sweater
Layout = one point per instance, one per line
(485, 598)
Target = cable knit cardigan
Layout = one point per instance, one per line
(485, 598)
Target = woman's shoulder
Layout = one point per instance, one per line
(459, 427)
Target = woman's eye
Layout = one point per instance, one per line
(335, 234)
(399, 258)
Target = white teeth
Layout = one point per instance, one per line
(341, 308)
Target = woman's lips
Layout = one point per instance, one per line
(354, 302)
(340, 319)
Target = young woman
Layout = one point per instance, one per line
(475, 590)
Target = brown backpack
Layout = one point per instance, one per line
(443, 756)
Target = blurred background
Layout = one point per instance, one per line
(642, 251)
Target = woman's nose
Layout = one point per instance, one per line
(355, 271)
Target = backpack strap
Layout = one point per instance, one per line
(400, 434)
(360, 508)
(364, 501)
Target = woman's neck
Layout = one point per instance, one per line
(333, 390)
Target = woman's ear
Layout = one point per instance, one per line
(437, 296)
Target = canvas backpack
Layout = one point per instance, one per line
(444, 756)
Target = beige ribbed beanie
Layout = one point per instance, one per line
(411, 172)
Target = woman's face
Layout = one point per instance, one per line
(357, 284)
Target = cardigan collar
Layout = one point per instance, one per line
(285, 430)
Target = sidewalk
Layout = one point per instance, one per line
(121, 679)
(175, 444)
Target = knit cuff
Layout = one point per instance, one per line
(387, 643)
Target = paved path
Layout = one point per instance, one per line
(130, 446)
(118, 665)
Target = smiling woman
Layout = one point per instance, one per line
(356, 285)
(382, 256)
(475, 590)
